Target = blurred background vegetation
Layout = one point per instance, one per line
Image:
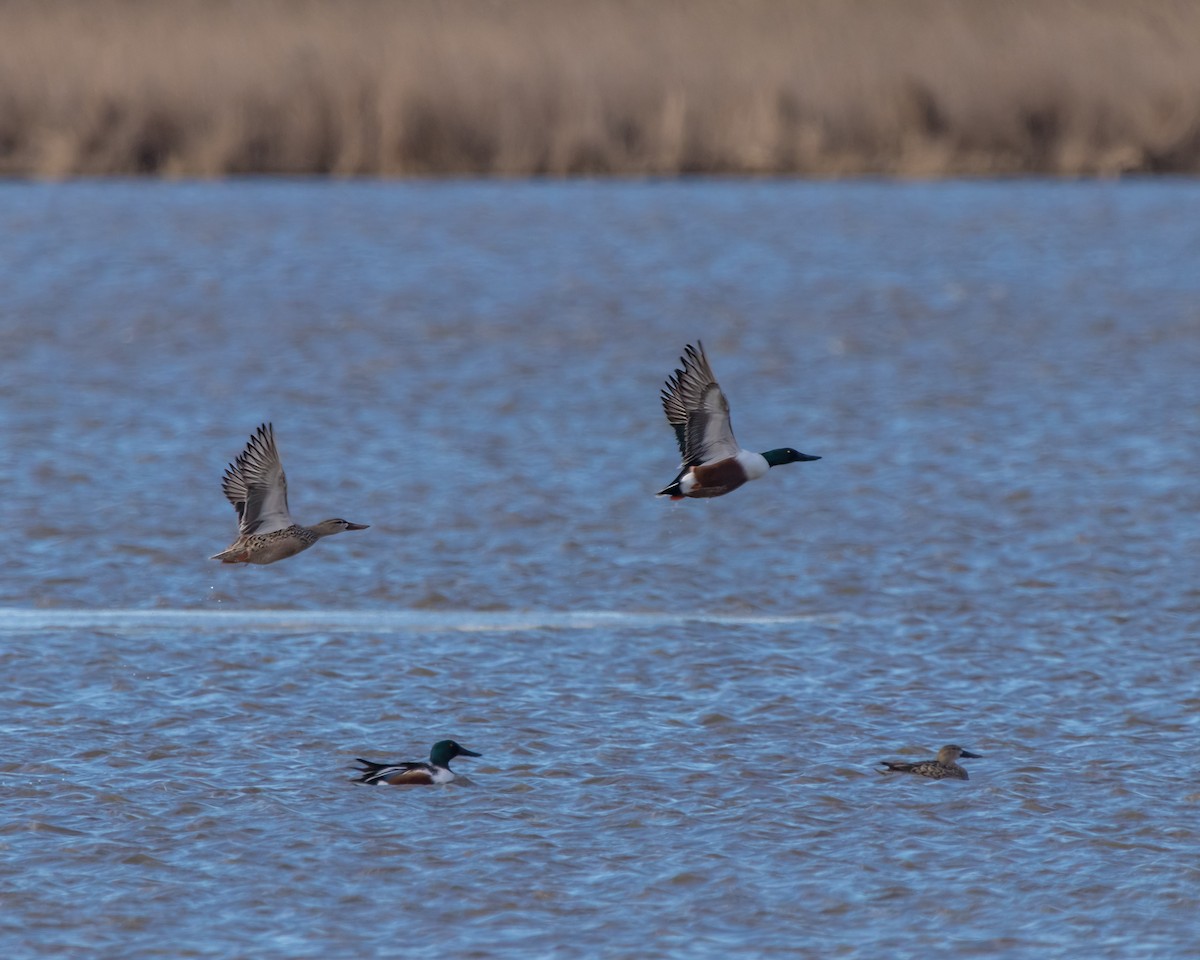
(921, 88)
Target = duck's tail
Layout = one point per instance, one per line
(673, 490)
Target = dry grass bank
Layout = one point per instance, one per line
(401, 87)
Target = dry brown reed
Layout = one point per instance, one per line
(408, 87)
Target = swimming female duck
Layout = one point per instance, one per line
(714, 463)
(437, 770)
(941, 768)
(256, 486)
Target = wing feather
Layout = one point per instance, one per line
(256, 485)
(698, 411)
(406, 772)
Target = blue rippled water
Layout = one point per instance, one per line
(679, 705)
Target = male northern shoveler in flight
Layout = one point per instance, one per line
(257, 488)
(437, 770)
(941, 768)
(713, 462)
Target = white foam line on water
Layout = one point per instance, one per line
(20, 619)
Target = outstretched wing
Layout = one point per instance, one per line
(256, 486)
(698, 411)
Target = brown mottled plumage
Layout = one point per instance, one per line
(941, 768)
(257, 487)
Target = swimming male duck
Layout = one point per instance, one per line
(256, 486)
(713, 462)
(941, 768)
(437, 770)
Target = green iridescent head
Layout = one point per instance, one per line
(786, 455)
(446, 750)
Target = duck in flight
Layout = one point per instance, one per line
(713, 462)
(943, 767)
(257, 488)
(437, 770)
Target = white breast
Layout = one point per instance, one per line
(755, 464)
